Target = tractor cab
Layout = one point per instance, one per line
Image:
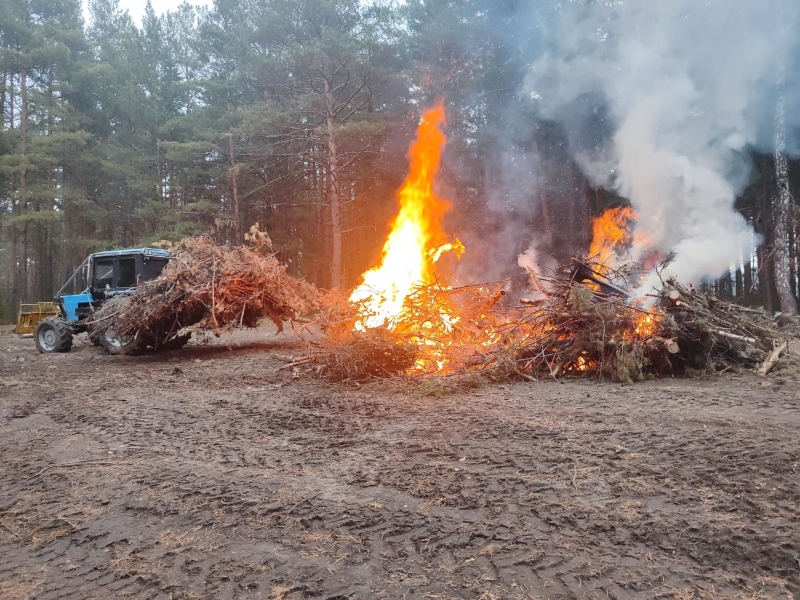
(106, 274)
(101, 276)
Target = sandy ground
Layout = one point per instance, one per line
(209, 473)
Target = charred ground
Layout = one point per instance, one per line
(209, 473)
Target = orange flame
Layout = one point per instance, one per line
(416, 240)
(612, 238)
(610, 232)
(646, 324)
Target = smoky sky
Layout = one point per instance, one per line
(662, 102)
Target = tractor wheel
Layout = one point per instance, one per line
(127, 343)
(53, 334)
(95, 335)
(176, 343)
(104, 329)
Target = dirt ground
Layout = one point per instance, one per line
(209, 473)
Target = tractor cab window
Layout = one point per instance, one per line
(78, 282)
(103, 274)
(126, 277)
(152, 267)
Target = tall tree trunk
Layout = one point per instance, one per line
(3, 78)
(237, 221)
(334, 187)
(21, 227)
(783, 271)
(45, 258)
(738, 283)
(572, 224)
(11, 99)
(546, 218)
(783, 201)
(764, 226)
(585, 215)
(747, 281)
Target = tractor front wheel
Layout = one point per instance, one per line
(53, 334)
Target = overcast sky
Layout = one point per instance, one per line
(136, 7)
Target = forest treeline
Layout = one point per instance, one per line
(293, 114)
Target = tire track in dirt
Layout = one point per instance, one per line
(224, 478)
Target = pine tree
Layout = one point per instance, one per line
(320, 100)
(42, 48)
(784, 200)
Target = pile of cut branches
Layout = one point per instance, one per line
(205, 287)
(588, 326)
(585, 326)
(715, 335)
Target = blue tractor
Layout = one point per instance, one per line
(101, 277)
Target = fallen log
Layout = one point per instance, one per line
(733, 336)
(773, 357)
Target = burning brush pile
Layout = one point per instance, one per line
(204, 287)
(586, 326)
(403, 320)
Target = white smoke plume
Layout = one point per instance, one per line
(689, 86)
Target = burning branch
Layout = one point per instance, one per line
(577, 331)
(583, 272)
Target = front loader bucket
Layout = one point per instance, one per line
(30, 315)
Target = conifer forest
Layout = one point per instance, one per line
(297, 115)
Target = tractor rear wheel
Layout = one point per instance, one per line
(95, 336)
(116, 343)
(53, 334)
(176, 343)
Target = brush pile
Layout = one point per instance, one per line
(585, 326)
(204, 287)
(427, 338)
